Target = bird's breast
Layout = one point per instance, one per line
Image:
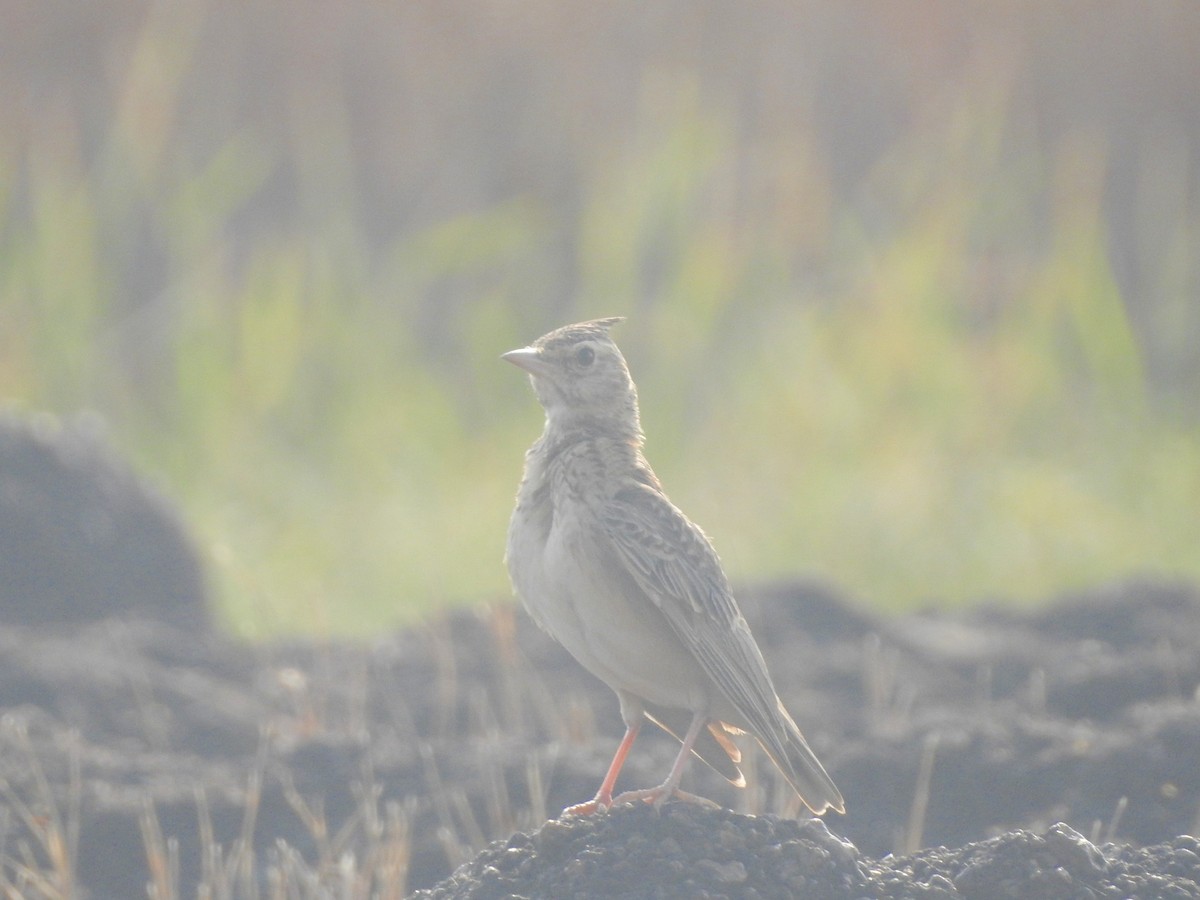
(576, 589)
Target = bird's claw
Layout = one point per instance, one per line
(590, 808)
(658, 796)
(696, 799)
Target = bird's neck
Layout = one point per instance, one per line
(570, 426)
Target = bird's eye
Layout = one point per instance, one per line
(585, 356)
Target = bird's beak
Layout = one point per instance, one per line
(528, 359)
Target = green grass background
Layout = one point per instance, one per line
(921, 379)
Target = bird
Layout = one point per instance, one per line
(606, 564)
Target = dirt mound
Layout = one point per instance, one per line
(401, 758)
(82, 536)
(691, 852)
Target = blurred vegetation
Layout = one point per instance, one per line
(931, 338)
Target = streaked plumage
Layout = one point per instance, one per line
(606, 564)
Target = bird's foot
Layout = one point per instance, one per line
(657, 796)
(697, 799)
(599, 803)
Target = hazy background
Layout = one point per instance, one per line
(913, 288)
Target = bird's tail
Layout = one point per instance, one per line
(800, 766)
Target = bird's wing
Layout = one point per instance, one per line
(673, 563)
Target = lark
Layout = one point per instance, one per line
(613, 571)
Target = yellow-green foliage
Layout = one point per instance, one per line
(945, 404)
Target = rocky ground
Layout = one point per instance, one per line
(691, 852)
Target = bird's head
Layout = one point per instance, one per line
(580, 377)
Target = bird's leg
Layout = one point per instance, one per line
(604, 797)
(669, 788)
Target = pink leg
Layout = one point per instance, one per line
(604, 797)
(669, 788)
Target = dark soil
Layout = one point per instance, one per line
(941, 730)
(690, 852)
